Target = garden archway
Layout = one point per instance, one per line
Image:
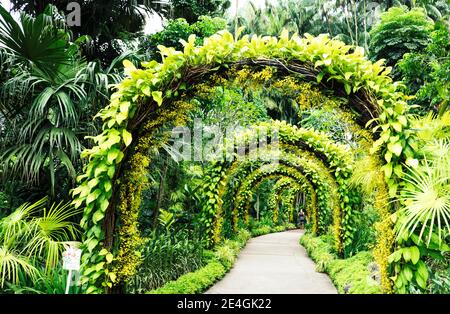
(287, 183)
(151, 98)
(243, 175)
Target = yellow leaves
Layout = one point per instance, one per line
(403, 121)
(387, 71)
(388, 156)
(127, 137)
(113, 155)
(158, 97)
(120, 117)
(112, 276)
(129, 67)
(397, 126)
(387, 168)
(395, 148)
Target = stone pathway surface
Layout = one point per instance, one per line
(274, 264)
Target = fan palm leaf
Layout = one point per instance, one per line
(427, 200)
(35, 40)
(27, 238)
(12, 263)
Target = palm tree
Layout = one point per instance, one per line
(105, 22)
(48, 99)
(29, 242)
(347, 20)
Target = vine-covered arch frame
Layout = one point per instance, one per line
(143, 102)
(322, 153)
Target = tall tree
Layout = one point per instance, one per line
(400, 31)
(106, 22)
(191, 10)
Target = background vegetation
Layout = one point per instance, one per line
(55, 78)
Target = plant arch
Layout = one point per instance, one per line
(151, 98)
(283, 183)
(294, 147)
(291, 190)
(243, 172)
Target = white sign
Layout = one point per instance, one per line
(71, 258)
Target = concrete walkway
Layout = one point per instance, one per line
(274, 264)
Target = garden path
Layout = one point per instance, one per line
(274, 264)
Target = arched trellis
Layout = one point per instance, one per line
(143, 102)
(304, 186)
(294, 177)
(316, 145)
(270, 171)
(287, 183)
(321, 184)
(288, 201)
(246, 189)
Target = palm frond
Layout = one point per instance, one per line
(36, 40)
(12, 264)
(16, 223)
(427, 200)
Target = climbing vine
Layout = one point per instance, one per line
(328, 62)
(308, 190)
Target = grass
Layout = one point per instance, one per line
(355, 275)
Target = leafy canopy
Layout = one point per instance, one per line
(399, 31)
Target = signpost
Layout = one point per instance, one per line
(71, 260)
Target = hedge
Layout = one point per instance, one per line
(355, 275)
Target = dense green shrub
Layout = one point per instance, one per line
(53, 282)
(195, 282)
(226, 255)
(364, 237)
(318, 250)
(165, 257)
(3, 204)
(264, 229)
(400, 31)
(440, 283)
(357, 274)
(266, 225)
(191, 10)
(243, 236)
(180, 29)
(329, 121)
(426, 73)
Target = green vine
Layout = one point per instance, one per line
(158, 84)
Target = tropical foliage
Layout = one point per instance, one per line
(163, 153)
(31, 244)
